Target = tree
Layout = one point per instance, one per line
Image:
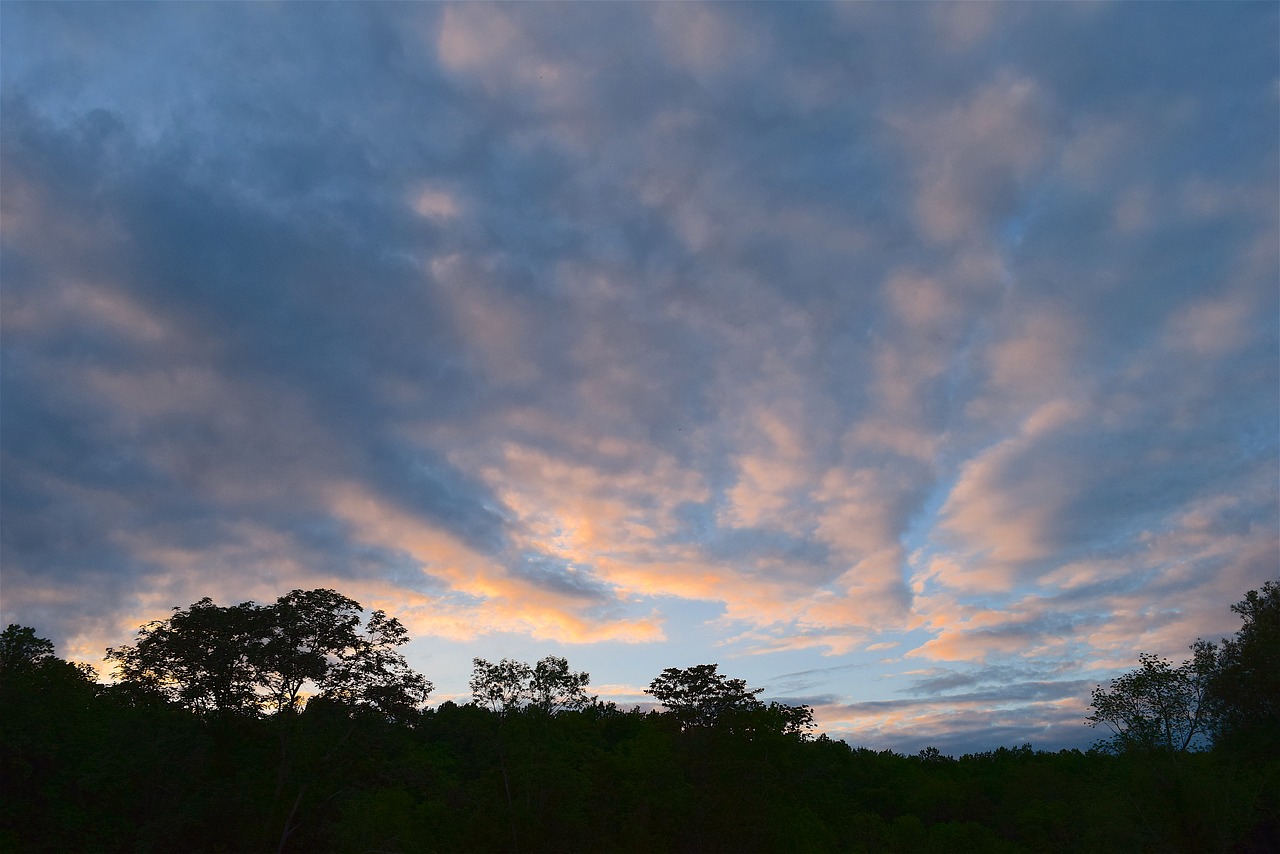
(208, 658)
(305, 631)
(20, 649)
(1246, 689)
(251, 658)
(553, 687)
(699, 696)
(548, 685)
(1159, 706)
(501, 686)
(377, 676)
(778, 718)
(28, 659)
(1222, 692)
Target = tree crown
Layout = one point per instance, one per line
(251, 658)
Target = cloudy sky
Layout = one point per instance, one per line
(918, 362)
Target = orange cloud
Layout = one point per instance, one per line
(507, 602)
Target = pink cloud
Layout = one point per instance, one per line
(970, 153)
(702, 40)
(494, 328)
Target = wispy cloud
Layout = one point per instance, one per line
(825, 341)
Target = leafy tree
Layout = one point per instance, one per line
(29, 659)
(553, 687)
(548, 685)
(501, 686)
(1246, 688)
(699, 696)
(1159, 706)
(207, 657)
(20, 649)
(794, 720)
(306, 631)
(377, 676)
(250, 658)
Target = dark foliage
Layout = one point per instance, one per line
(250, 658)
(87, 767)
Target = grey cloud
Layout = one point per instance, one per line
(1018, 692)
(810, 700)
(819, 670)
(1107, 484)
(975, 721)
(277, 304)
(972, 734)
(641, 248)
(807, 680)
(942, 680)
(800, 556)
(426, 484)
(561, 577)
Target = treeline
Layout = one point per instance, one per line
(297, 726)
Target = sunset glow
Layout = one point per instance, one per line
(917, 362)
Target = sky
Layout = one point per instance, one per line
(917, 362)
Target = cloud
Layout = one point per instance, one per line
(435, 204)
(962, 27)
(967, 726)
(974, 157)
(705, 42)
(698, 332)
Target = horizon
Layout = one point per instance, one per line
(916, 362)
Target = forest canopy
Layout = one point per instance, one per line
(302, 720)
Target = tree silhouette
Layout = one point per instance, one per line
(374, 674)
(501, 686)
(1158, 706)
(208, 658)
(305, 629)
(20, 649)
(548, 685)
(251, 658)
(1246, 689)
(89, 767)
(699, 696)
(28, 659)
(554, 688)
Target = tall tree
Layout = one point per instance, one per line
(28, 659)
(553, 687)
(251, 658)
(548, 685)
(700, 696)
(305, 631)
(1159, 706)
(1246, 689)
(20, 649)
(207, 657)
(374, 674)
(502, 686)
